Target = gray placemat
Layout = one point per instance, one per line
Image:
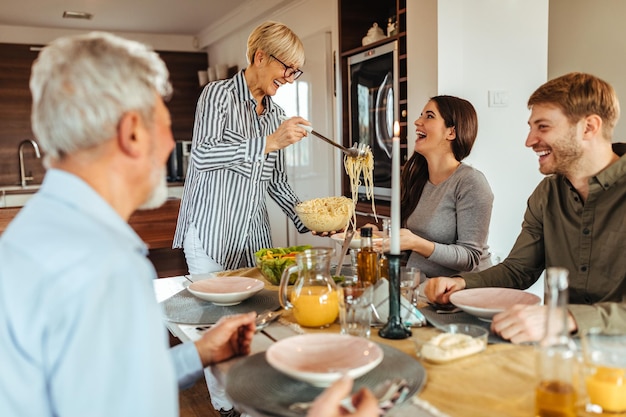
(253, 384)
(439, 320)
(185, 308)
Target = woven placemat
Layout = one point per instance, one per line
(185, 308)
(439, 320)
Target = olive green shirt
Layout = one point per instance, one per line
(588, 238)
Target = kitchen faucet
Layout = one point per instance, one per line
(23, 177)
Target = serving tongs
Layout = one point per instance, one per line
(344, 249)
(355, 151)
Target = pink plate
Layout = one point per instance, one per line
(484, 303)
(320, 359)
(226, 291)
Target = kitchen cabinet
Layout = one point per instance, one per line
(356, 17)
(15, 107)
(184, 67)
(15, 104)
(156, 228)
(6, 216)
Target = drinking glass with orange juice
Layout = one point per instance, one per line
(313, 298)
(605, 372)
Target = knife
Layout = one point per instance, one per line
(344, 249)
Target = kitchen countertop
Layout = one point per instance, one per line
(18, 189)
(17, 196)
(155, 227)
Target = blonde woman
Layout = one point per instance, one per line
(237, 161)
(237, 157)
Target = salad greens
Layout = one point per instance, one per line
(273, 261)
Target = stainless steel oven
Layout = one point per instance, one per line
(373, 105)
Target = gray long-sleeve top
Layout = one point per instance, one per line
(455, 215)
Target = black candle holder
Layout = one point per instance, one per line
(395, 328)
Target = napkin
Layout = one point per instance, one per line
(409, 314)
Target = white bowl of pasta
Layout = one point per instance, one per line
(326, 214)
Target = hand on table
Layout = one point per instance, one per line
(327, 404)
(524, 323)
(438, 289)
(230, 336)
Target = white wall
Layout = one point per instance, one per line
(422, 55)
(589, 36)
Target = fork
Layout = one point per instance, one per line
(388, 393)
(354, 151)
(262, 320)
(265, 318)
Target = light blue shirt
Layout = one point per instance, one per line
(81, 333)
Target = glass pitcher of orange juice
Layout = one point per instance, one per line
(314, 297)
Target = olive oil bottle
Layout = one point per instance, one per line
(367, 259)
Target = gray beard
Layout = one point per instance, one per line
(158, 195)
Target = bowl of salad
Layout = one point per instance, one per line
(273, 261)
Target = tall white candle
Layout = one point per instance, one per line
(395, 191)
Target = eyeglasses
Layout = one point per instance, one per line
(289, 71)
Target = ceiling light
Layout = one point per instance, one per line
(77, 15)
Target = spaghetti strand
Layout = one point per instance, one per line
(355, 166)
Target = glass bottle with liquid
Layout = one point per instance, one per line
(555, 395)
(383, 262)
(367, 259)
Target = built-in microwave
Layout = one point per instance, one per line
(373, 106)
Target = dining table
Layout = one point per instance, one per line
(498, 381)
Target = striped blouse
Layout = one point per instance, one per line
(229, 176)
